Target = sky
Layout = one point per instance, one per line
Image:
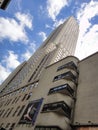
(25, 24)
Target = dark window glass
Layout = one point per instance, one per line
(12, 126)
(14, 100)
(1, 113)
(47, 128)
(21, 109)
(16, 111)
(70, 65)
(5, 112)
(29, 95)
(56, 107)
(68, 76)
(8, 124)
(64, 88)
(17, 99)
(24, 97)
(10, 112)
(2, 124)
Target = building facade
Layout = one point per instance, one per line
(50, 90)
(4, 4)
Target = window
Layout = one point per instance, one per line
(31, 86)
(12, 126)
(58, 106)
(16, 111)
(1, 113)
(47, 128)
(1, 125)
(64, 88)
(9, 102)
(17, 99)
(6, 112)
(10, 112)
(29, 95)
(70, 65)
(24, 97)
(14, 100)
(8, 124)
(68, 76)
(21, 109)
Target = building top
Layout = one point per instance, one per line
(4, 4)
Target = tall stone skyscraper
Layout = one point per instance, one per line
(4, 3)
(24, 103)
(61, 43)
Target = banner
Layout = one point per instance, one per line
(31, 112)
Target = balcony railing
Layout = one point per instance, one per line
(64, 88)
(70, 65)
(60, 107)
(68, 76)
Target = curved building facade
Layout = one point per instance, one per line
(41, 92)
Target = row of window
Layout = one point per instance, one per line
(16, 99)
(68, 75)
(8, 125)
(21, 90)
(47, 128)
(6, 113)
(65, 88)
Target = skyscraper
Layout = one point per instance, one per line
(51, 90)
(4, 3)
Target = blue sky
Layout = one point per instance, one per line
(25, 24)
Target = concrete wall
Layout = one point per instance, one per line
(86, 108)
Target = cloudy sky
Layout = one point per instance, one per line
(25, 24)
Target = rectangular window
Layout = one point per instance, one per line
(47, 128)
(10, 112)
(17, 99)
(70, 65)
(68, 76)
(12, 126)
(14, 100)
(24, 97)
(64, 88)
(58, 106)
(8, 124)
(16, 111)
(1, 112)
(29, 95)
(5, 112)
(21, 109)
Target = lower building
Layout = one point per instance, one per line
(63, 98)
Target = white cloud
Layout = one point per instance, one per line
(25, 19)
(88, 36)
(11, 61)
(29, 51)
(13, 30)
(54, 7)
(26, 55)
(43, 35)
(3, 73)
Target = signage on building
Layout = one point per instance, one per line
(30, 114)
